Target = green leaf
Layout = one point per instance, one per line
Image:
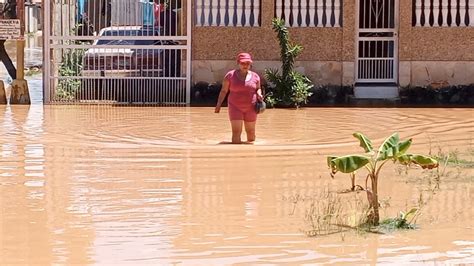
(404, 159)
(349, 163)
(410, 214)
(329, 160)
(332, 165)
(273, 75)
(421, 160)
(425, 162)
(365, 142)
(389, 148)
(403, 147)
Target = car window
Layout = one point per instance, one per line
(146, 42)
(127, 33)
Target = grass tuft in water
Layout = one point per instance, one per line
(32, 71)
(324, 214)
(332, 213)
(405, 220)
(455, 158)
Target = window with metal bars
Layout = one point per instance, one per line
(443, 13)
(228, 13)
(310, 13)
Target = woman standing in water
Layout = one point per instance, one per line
(244, 91)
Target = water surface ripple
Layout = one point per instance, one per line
(136, 185)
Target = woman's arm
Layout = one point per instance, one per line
(222, 95)
(259, 91)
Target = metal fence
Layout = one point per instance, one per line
(117, 51)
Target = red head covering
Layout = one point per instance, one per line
(244, 57)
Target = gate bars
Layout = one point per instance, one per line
(117, 51)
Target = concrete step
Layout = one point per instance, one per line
(373, 102)
(376, 92)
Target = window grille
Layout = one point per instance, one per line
(443, 13)
(310, 13)
(228, 13)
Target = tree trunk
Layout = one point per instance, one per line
(372, 196)
(353, 181)
(375, 202)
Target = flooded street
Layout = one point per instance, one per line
(136, 185)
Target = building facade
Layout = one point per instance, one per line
(377, 46)
(374, 43)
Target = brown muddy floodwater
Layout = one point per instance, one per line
(137, 185)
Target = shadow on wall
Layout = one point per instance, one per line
(205, 94)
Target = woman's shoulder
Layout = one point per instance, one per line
(232, 71)
(229, 74)
(255, 75)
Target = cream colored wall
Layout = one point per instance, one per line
(437, 56)
(320, 72)
(435, 43)
(436, 73)
(327, 57)
(320, 44)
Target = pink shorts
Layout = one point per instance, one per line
(248, 115)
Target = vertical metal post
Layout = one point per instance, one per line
(20, 44)
(188, 52)
(357, 45)
(46, 4)
(396, 61)
(19, 93)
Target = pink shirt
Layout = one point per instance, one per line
(243, 94)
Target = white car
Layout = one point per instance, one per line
(103, 61)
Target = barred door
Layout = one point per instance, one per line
(117, 51)
(377, 41)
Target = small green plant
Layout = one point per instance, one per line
(392, 149)
(404, 220)
(71, 66)
(290, 88)
(32, 71)
(270, 100)
(69, 71)
(454, 158)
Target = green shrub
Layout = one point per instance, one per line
(451, 95)
(71, 66)
(288, 88)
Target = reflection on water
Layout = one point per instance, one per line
(97, 184)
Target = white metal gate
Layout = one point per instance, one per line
(377, 41)
(117, 51)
